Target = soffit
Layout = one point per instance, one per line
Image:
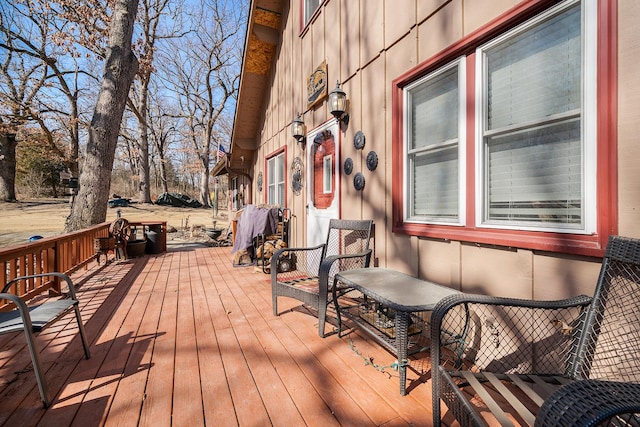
(263, 36)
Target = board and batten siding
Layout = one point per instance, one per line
(369, 43)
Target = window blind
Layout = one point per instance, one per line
(275, 180)
(537, 73)
(271, 183)
(433, 148)
(435, 176)
(533, 144)
(310, 7)
(434, 110)
(280, 179)
(535, 175)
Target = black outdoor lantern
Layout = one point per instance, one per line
(299, 131)
(338, 104)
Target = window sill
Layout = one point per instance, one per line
(574, 244)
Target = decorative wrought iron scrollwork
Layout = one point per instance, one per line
(297, 179)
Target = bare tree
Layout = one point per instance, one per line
(151, 17)
(46, 79)
(121, 65)
(21, 79)
(163, 126)
(127, 151)
(40, 64)
(205, 71)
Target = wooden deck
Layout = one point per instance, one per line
(185, 339)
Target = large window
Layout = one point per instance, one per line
(275, 180)
(434, 128)
(505, 145)
(531, 103)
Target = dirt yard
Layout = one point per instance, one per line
(46, 217)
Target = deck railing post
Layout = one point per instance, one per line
(58, 266)
(65, 253)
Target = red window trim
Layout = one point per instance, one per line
(265, 196)
(607, 188)
(305, 25)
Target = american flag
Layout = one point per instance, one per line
(221, 151)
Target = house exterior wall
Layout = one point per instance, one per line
(366, 45)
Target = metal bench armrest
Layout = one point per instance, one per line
(67, 279)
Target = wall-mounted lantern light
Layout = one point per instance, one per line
(338, 104)
(299, 131)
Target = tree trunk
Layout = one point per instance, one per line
(90, 205)
(74, 146)
(7, 167)
(163, 173)
(205, 153)
(204, 187)
(144, 184)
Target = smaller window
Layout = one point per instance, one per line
(327, 179)
(434, 144)
(234, 194)
(310, 7)
(275, 180)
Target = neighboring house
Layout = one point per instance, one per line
(494, 143)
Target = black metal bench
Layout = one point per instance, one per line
(521, 362)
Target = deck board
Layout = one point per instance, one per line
(185, 339)
(157, 404)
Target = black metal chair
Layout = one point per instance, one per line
(306, 273)
(528, 362)
(35, 318)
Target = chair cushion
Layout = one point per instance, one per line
(41, 316)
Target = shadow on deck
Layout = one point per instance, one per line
(185, 339)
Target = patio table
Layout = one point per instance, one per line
(383, 289)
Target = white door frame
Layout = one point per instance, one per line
(318, 219)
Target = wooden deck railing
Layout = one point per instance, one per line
(65, 253)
